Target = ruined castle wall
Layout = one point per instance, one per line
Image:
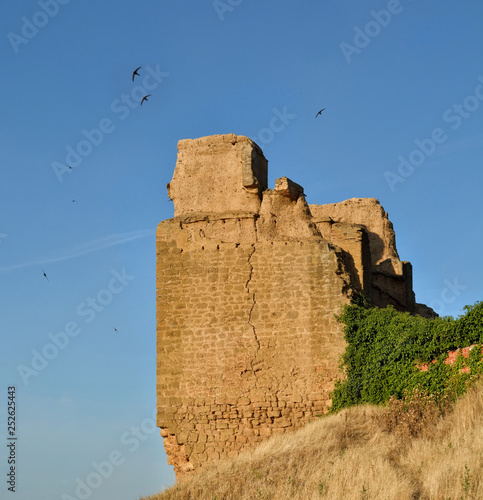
(394, 288)
(353, 239)
(249, 281)
(368, 213)
(247, 340)
(390, 282)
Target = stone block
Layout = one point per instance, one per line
(218, 174)
(285, 187)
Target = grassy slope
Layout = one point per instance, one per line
(349, 456)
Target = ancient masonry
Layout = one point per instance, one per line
(248, 282)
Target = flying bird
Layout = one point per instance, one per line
(74, 201)
(135, 72)
(45, 274)
(115, 329)
(68, 166)
(145, 98)
(319, 113)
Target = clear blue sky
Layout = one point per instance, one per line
(389, 74)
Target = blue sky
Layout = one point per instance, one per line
(402, 84)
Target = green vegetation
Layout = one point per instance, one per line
(385, 349)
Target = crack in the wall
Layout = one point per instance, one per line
(247, 286)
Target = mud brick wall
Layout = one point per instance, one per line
(249, 281)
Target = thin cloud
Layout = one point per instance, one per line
(85, 248)
(469, 142)
(435, 162)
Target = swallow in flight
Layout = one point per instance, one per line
(45, 274)
(319, 113)
(135, 72)
(145, 98)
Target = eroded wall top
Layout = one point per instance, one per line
(369, 213)
(219, 173)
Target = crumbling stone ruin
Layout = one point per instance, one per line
(248, 282)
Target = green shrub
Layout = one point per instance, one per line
(385, 349)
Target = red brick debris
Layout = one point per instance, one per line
(450, 360)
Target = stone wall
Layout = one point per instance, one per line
(248, 282)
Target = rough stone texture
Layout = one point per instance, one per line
(368, 213)
(391, 281)
(236, 182)
(248, 282)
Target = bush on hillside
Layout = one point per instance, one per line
(386, 348)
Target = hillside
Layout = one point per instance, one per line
(353, 455)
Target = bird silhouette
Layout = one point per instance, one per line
(320, 112)
(135, 72)
(145, 98)
(44, 274)
(68, 166)
(115, 329)
(74, 201)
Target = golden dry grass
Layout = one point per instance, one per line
(355, 455)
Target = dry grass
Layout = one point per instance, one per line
(361, 453)
(414, 415)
